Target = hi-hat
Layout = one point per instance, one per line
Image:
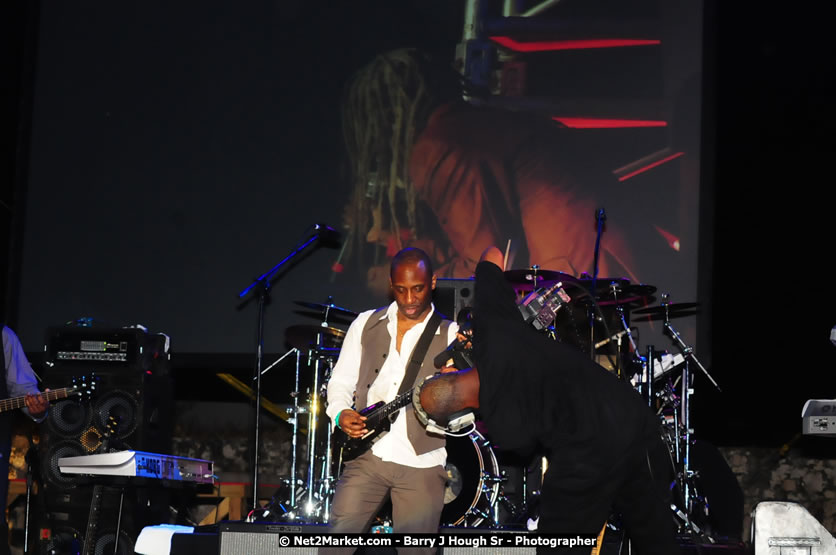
(332, 308)
(314, 337)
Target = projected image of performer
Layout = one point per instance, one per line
(536, 395)
(406, 463)
(433, 171)
(20, 382)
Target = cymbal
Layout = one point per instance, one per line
(524, 278)
(675, 310)
(611, 301)
(329, 307)
(305, 337)
(626, 294)
(671, 307)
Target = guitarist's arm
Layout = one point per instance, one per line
(344, 378)
(20, 378)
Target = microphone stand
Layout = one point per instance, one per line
(262, 288)
(600, 218)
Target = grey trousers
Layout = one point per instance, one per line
(417, 498)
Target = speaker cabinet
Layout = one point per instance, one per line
(131, 409)
(451, 295)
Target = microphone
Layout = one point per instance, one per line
(327, 234)
(458, 351)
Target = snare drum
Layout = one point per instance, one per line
(472, 481)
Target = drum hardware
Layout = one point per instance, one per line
(679, 411)
(309, 500)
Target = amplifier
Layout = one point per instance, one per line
(819, 417)
(258, 538)
(120, 346)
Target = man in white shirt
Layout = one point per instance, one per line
(406, 463)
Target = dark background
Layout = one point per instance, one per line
(765, 195)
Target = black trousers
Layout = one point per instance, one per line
(636, 489)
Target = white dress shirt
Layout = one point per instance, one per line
(393, 446)
(20, 379)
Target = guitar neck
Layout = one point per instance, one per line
(399, 402)
(20, 402)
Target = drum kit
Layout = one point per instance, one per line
(482, 491)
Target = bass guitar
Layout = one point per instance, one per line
(81, 387)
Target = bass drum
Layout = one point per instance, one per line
(473, 481)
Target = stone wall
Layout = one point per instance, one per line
(792, 475)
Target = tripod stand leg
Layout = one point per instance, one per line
(119, 521)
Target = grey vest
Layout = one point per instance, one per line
(375, 347)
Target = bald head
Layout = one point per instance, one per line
(445, 394)
(411, 255)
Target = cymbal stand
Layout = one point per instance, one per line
(633, 348)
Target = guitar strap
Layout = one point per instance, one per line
(419, 352)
